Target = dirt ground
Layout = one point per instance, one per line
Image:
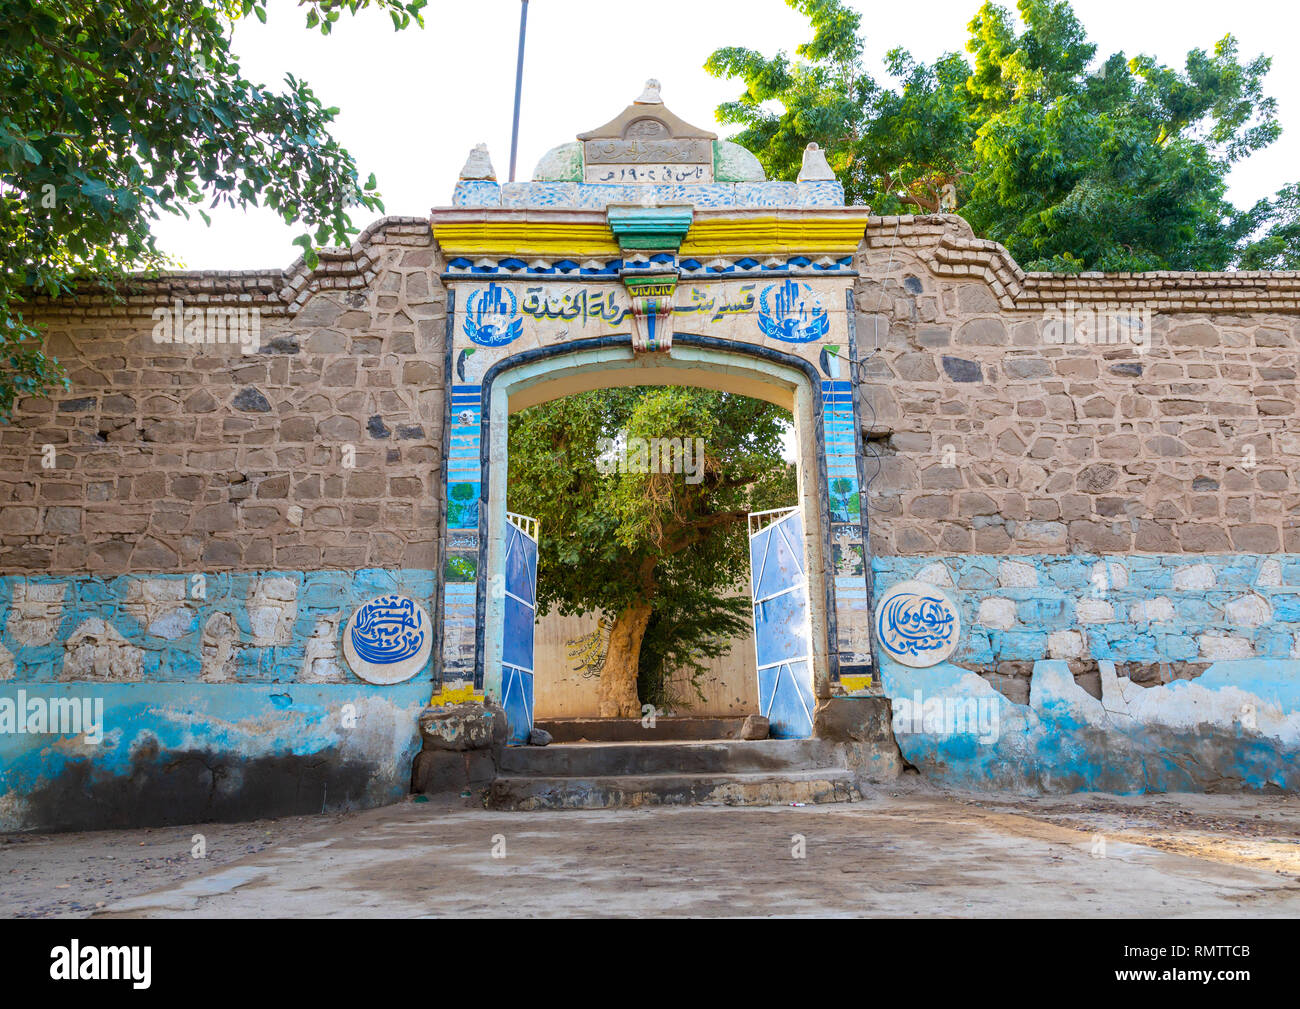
(918, 852)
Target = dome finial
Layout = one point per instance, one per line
(650, 96)
(478, 165)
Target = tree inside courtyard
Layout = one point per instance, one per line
(662, 555)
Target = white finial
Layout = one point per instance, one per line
(478, 165)
(815, 168)
(650, 96)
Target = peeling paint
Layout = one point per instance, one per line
(223, 697)
(1234, 727)
(186, 753)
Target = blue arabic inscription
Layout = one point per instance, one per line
(916, 623)
(388, 629)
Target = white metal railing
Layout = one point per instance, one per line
(758, 521)
(530, 527)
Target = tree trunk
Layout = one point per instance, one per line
(618, 696)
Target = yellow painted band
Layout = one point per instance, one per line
(524, 238)
(752, 236)
(758, 236)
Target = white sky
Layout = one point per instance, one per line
(414, 102)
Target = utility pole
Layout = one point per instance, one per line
(519, 86)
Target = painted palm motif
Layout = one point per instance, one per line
(492, 317)
(793, 314)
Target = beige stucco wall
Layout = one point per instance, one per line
(561, 690)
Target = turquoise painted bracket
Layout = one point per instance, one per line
(657, 228)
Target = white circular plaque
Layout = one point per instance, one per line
(917, 624)
(389, 639)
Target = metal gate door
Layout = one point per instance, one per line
(520, 614)
(782, 621)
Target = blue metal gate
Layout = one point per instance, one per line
(782, 621)
(520, 615)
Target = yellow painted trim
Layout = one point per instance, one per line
(852, 683)
(713, 236)
(524, 238)
(774, 235)
(454, 695)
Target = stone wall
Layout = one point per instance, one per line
(1008, 463)
(1154, 614)
(199, 457)
(195, 697)
(1178, 436)
(185, 532)
(1099, 472)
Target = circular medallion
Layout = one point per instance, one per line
(388, 640)
(917, 624)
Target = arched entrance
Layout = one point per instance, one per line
(598, 274)
(545, 374)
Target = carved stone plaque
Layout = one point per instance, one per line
(636, 152)
(647, 144)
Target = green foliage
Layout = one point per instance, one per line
(1280, 248)
(686, 629)
(609, 540)
(113, 112)
(1070, 162)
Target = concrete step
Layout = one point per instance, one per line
(821, 785)
(577, 760)
(630, 730)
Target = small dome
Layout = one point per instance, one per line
(560, 164)
(733, 163)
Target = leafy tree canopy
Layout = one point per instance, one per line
(112, 113)
(1070, 161)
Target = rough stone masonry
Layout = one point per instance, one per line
(1100, 467)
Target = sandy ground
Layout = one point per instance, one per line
(899, 853)
(72, 875)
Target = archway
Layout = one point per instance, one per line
(540, 376)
